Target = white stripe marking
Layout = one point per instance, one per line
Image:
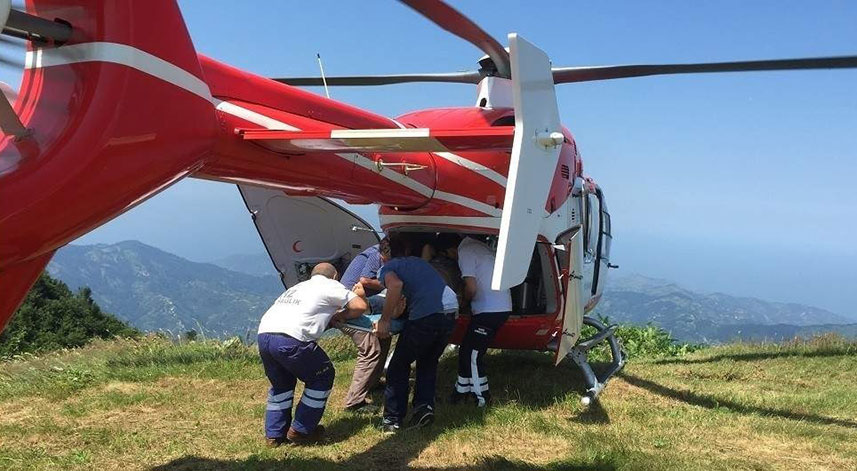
(119, 54)
(364, 162)
(279, 406)
(316, 393)
(313, 403)
(252, 116)
(281, 397)
(476, 167)
(469, 203)
(378, 133)
(474, 378)
(483, 222)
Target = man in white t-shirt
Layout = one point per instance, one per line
(489, 311)
(287, 344)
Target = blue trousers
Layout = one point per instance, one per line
(286, 360)
(422, 341)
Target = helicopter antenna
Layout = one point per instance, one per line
(323, 79)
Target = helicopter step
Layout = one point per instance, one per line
(595, 383)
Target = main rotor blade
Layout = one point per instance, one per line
(453, 21)
(608, 72)
(359, 80)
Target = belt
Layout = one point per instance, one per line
(280, 334)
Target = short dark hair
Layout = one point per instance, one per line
(447, 240)
(398, 246)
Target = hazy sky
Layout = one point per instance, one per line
(741, 183)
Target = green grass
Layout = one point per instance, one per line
(154, 405)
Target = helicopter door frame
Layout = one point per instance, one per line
(602, 250)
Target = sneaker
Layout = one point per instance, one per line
(299, 438)
(423, 416)
(363, 408)
(485, 400)
(390, 426)
(275, 442)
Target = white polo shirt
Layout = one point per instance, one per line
(476, 260)
(305, 309)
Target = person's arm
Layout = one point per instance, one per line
(352, 308)
(467, 263)
(394, 295)
(355, 308)
(469, 288)
(371, 283)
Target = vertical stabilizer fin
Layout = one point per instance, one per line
(535, 152)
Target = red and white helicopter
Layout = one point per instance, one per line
(116, 105)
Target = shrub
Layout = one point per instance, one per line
(52, 317)
(640, 341)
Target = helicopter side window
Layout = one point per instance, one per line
(606, 237)
(593, 227)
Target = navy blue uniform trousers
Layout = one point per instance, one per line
(421, 341)
(286, 360)
(471, 370)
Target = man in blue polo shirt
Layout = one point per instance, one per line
(423, 339)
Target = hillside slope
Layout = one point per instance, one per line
(150, 405)
(156, 290)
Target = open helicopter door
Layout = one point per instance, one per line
(572, 312)
(300, 231)
(535, 152)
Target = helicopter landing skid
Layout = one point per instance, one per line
(580, 356)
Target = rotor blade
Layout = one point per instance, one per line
(453, 21)
(608, 72)
(357, 80)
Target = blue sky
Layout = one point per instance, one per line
(740, 183)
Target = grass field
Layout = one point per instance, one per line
(154, 405)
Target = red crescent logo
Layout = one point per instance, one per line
(295, 247)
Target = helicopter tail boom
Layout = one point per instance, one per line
(94, 109)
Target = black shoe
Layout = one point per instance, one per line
(458, 397)
(300, 439)
(423, 416)
(390, 426)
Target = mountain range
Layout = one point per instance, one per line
(713, 317)
(156, 290)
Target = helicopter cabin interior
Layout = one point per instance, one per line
(539, 293)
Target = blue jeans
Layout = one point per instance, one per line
(286, 360)
(422, 341)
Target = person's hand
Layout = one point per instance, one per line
(382, 328)
(359, 290)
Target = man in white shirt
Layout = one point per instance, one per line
(287, 344)
(489, 311)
